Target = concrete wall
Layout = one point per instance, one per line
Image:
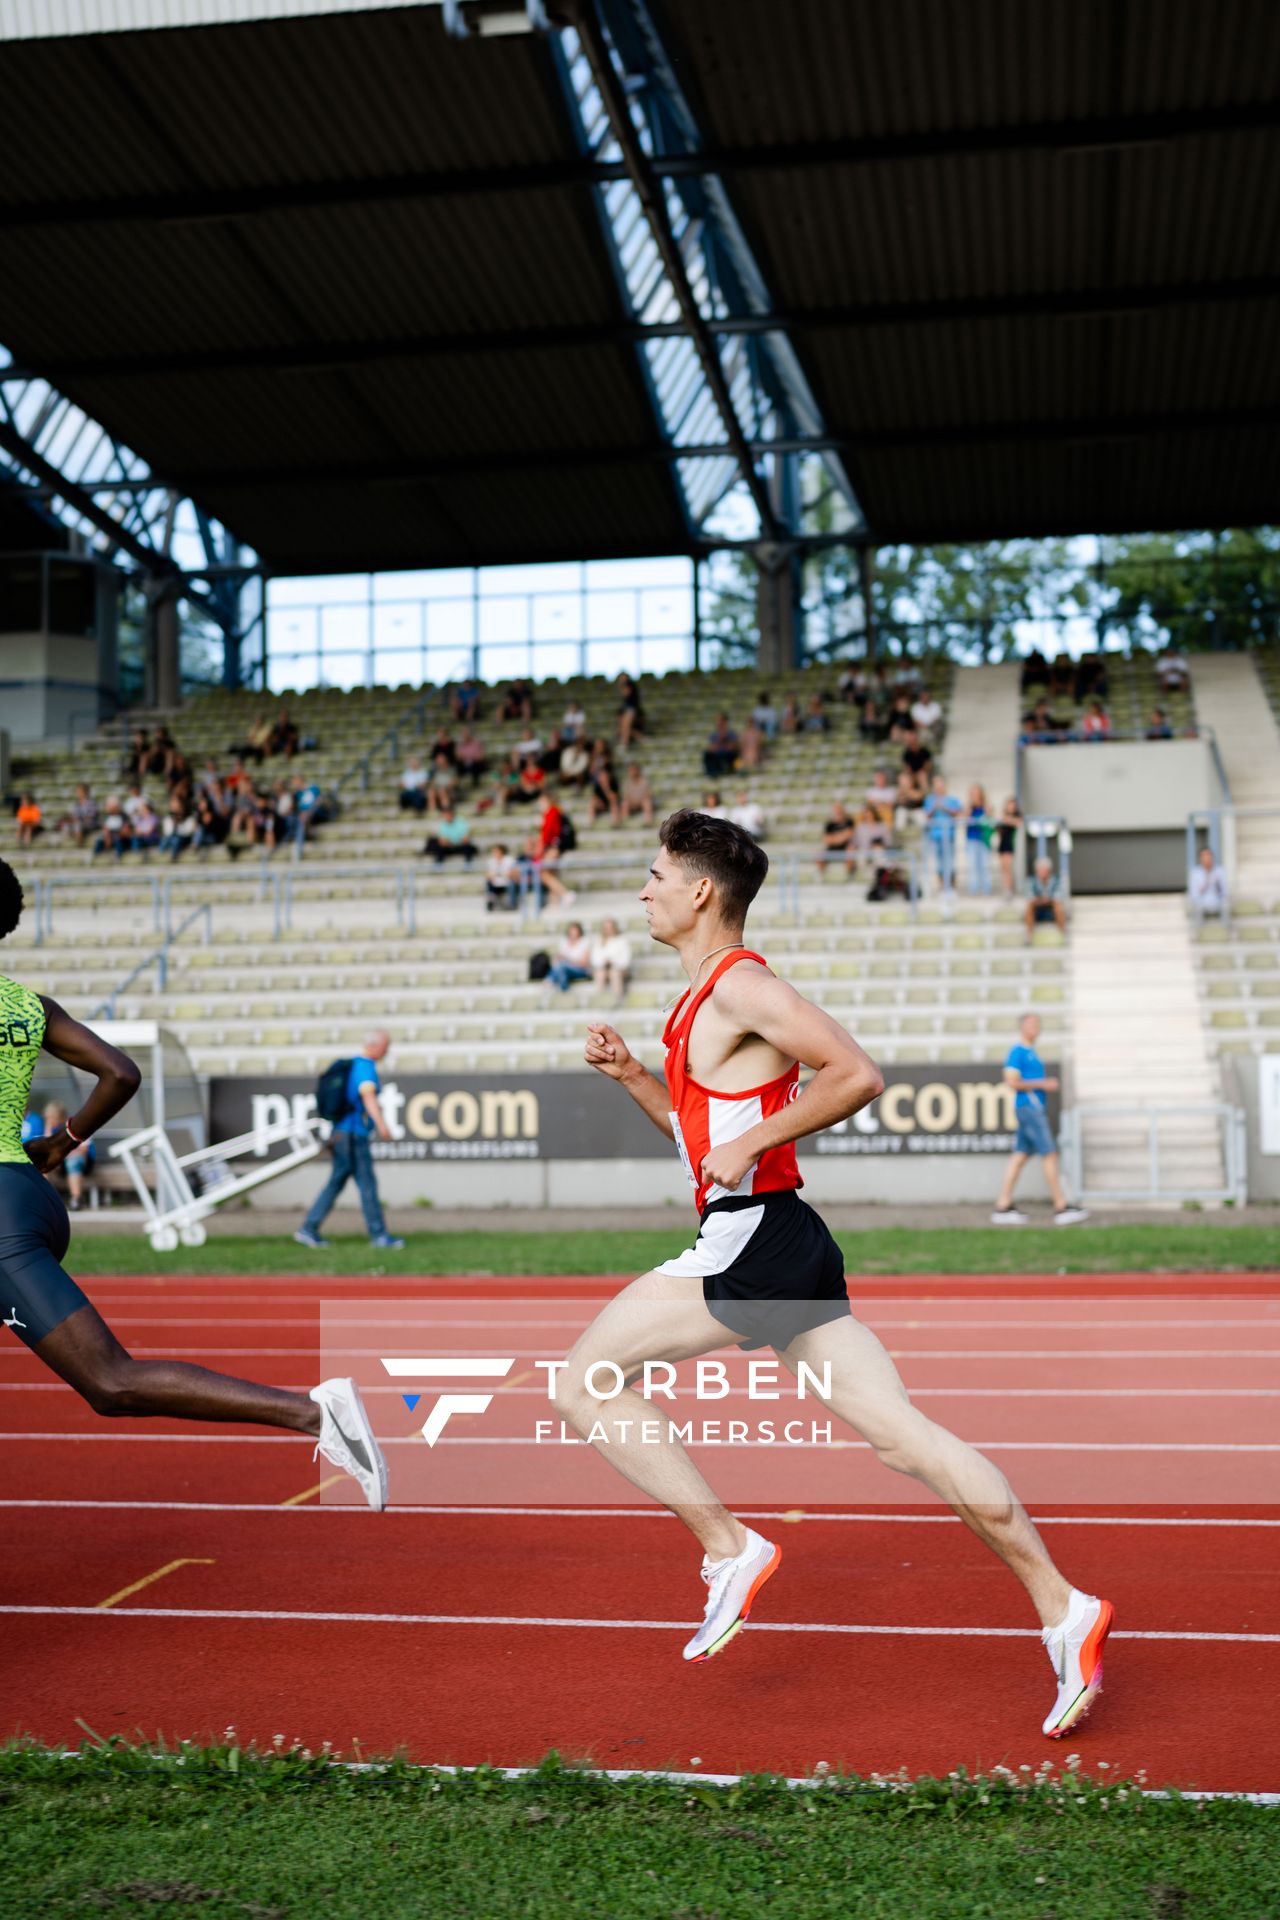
(1126, 803)
(1241, 1088)
(45, 679)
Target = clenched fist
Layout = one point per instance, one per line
(608, 1052)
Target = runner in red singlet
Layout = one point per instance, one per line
(764, 1266)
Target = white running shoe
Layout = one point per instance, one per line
(733, 1586)
(1008, 1217)
(1070, 1217)
(1075, 1648)
(347, 1439)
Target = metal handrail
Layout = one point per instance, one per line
(159, 958)
(1230, 1120)
(1219, 824)
(362, 766)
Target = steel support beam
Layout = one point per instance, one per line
(1107, 134)
(20, 450)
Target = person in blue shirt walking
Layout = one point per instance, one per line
(1024, 1072)
(352, 1155)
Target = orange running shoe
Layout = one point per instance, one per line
(733, 1586)
(1075, 1648)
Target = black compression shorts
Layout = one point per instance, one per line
(769, 1266)
(36, 1295)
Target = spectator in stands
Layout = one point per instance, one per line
(517, 702)
(115, 834)
(470, 758)
(30, 819)
(528, 746)
(977, 841)
(531, 784)
(1090, 678)
(413, 786)
(1006, 844)
(352, 1158)
(444, 743)
(284, 736)
(163, 748)
(212, 824)
(1044, 900)
(751, 747)
(749, 815)
(837, 838)
(450, 838)
(1207, 889)
(1035, 671)
(442, 784)
(900, 722)
(540, 861)
(917, 758)
(711, 805)
(765, 715)
(873, 723)
(574, 724)
(549, 758)
(309, 809)
(911, 794)
(603, 783)
(508, 789)
(1097, 722)
(1042, 727)
(1061, 676)
(77, 1166)
(575, 763)
(256, 741)
(926, 715)
(134, 764)
(133, 803)
(720, 755)
(464, 700)
(941, 811)
(145, 829)
(1158, 727)
(1024, 1072)
(637, 794)
(851, 687)
(611, 961)
(631, 720)
(881, 797)
(179, 829)
(573, 960)
(501, 881)
(815, 720)
(81, 820)
(1173, 672)
(790, 721)
(871, 836)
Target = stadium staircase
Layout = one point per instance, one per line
(1232, 698)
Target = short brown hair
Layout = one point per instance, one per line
(722, 852)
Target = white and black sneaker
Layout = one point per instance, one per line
(733, 1586)
(1069, 1217)
(348, 1440)
(1008, 1217)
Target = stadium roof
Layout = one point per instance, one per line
(346, 280)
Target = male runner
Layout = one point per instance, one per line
(47, 1310)
(764, 1266)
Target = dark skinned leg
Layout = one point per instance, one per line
(85, 1353)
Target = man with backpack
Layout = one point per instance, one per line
(347, 1096)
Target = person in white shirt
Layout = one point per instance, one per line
(611, 961)
(574, 724)
(1208, 886)
(926, 713)
(711, 805)
(765, 715)
(1173, 672)
(528, 746)
(413, 787)
(573, 961)
(749, 815)
(501, 880)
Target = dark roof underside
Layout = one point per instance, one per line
(343, 278)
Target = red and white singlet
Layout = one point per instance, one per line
(702, 1119)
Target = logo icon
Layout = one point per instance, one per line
(437, 1368)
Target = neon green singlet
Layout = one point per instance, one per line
(21, 1036)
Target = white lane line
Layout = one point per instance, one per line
(688, 1395)
(631, 1513)
(753, 1446)
(580, 1621)
(429, 1321)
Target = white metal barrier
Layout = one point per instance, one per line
(175, 1210)
(1228, 1127)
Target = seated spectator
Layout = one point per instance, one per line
(134, 764)
(637, 794)
(977, 842)
(815, 720)
(1035, 670)
(720, 756)
(144, 828)
(464, 700)
(443, 743)
(873, 722)
(917, 758)
(450, 838)
(81, 819)
(212, 823)
(1044, 902)
(851, 687)
(551, 826)
(517, 702)
(941, 811)
(501, 881)
(871, 835)
(611, 961)
(249, 819)
(530, 784)
(631, 720)
(528, 746)
(837, 838)
(749, 815)
(549, 758)
(309, 808)
(284, 736)
(900, 722)
(1090, 677)
(926, 715)
(1207, 887)
(574, 724)
(765, 715)
(1097, 723)
(30, 819)
(1172, 671)
(911, 794)
(256, 741)
(881, 797)
(179, 828)
(751, 748)
(413, 786)
(1006, 842)
(508, 790)
(603, 783)
(442, 784)
(1061, 676)
(575, 760)
(163, 748)
(573, 960)
(77, 1166)
(470, 759)
(1042, 727)
(790, 722)
(540, 863)
(133, 802)
(712, 807)
(1158, 727)
(114, 835)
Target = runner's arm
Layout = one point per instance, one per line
(117, 1076)
(845, 1078)
(608, 1052)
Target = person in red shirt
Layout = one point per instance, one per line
(764, 1269)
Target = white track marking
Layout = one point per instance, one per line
(629, 1513)
(432, 1321)
(580, 1621)
(917, 1393)
(762, 1446)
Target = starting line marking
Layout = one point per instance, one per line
(626, 1513)
(577, 1622)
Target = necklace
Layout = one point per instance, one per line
(726, 948)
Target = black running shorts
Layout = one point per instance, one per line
(35, 1294)
(770, 1269)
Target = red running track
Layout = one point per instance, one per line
(889, 1638)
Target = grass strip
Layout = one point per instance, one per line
(1195, 1246)
(236, 1834)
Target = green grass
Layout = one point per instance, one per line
(233, 1835)
(1192, 1246)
